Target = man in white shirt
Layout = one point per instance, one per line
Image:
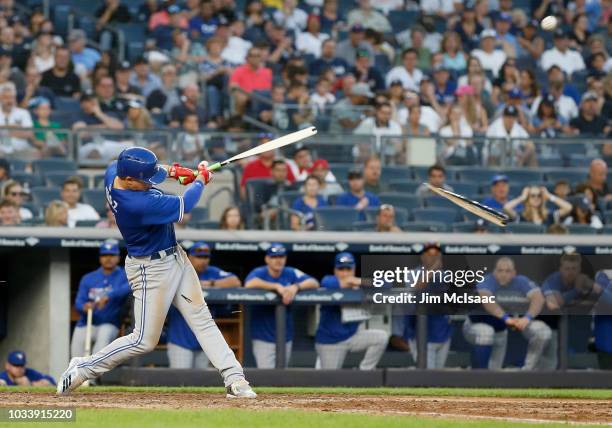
(521, 152)
(369, 18)
(13, 116)
(380, 124)
(236, 49)
(71, 193)
(430, 119)
(568, 60)
(408, 73)
(566, 106)
(490, 58)
(310, 41)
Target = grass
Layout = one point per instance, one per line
(594, 394)
(220, 418)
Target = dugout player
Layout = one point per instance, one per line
(439, 329)
(157, 268)
(287, 282)
(105, 291)
(602, 322)
(17, 374)
(335, 338)
(184, 351)
(489, 333)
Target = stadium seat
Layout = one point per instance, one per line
(286, 198)
(209, 225)
(550, 161)
(87, 23)
(258, 192)
(132, 32)
(607, 229)
(424, 226)
(341, 170)
(464, 227)
(580, 160)
(439, 202)
(98, 181)
(335, 218)
(34, 209)
(419, 173)
(442, 215)
(364, 226)
(526, 176)
(607, 217)
(400, 200)
(42, 166)
(61, 14)
(464, 188)
(17, 164)
(134, 49)
(403, 186)
(573, 176)
(389, 173)
(32, 180)
(67, 104)
(96, 198)
(477, 175)
(43, 195)
(401, 20)
(199, 214)
(401, 215)
(525, 228)
(86, 223)
(582, 229)
(57, 178)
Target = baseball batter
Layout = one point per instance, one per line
(158, 270)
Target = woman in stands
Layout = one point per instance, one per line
(472, 109)
(56, 214)
(458, 148)
(453, 57)
(582, 213)
(529, 86)
(509, 78)
(231, 219)
(307, 204)
(474, 67)
(534, 200)
(547, 123)
(13, 192)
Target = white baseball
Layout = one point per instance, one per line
(549, 23)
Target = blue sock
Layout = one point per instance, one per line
(480, 356)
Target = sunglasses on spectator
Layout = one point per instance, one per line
(16, 194)
(535, 195)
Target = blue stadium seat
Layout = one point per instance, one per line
(57, 178)
(17, 164)
(87, 23)
(419, 173)
(607, 217)
(403, 186)
(258, 192)
(382, 63)
(573, 176)
(579, 160)
(132, 32)
(401, 20)
(424, 226)
(335, 218)
(400, 200)
(32, 180)
(43, 195)
(98, 181)
(477, 175)
(607, 229)
(464, 188)
(523, 4)
(442, 215)
(464, 226)
(364, 226)
(61, 14)
(199, 214)
(65, 119)
(35, 209)
(86, 223)
(286, 198)
(401, 215)
(439, 202)
(526, 176)
(209, 225)
(567, 149)
(133, 50)
(42, 166)
(67, 104)
(96, 198)
(550, 161)
(582, 229)
(389, 173)
(340, 170)
(525, 228)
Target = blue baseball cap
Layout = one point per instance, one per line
(344, 259)
(499, 177)
(109, 248)
(515, 93)
(200, 249)
(276, 249)
(17, 358)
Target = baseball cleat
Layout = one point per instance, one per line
(71, 379)
(240, 389)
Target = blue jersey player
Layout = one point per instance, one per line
(17, 374)
(184, 350)
(158, 270)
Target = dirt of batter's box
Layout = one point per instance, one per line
(532, 409)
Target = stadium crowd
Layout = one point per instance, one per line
(477, 74)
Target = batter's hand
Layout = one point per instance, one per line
(204, 172)
(183, 175)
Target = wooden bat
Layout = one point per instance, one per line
(474, 207)
(88, 331)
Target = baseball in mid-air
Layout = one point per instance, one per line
(549, 23)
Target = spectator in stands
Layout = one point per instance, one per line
(14, 117)
(17, 374)
(109, 222)
(417, 39)
(372, 170)
(603, 321)
(231, 219)
(138, 116)
(204, 25)
(309, 41)
(562, 188)
(190, 104)
(61, 79)
(286, 281)
(505, 39)
(589, 122)
(444, 87)
(167, 96)
(427, 116)
(365, 72)
(299, 110)
(531, 44)
(560, 55)
(436, 176)
(111, 12)
(439, 330)
(322, 99)
(508, 78)
(71, 194)
(49, 142)
(468, 28)
(582, 213)
(250, 77)
(190, 143)
(109, 104)
(83, 58)
(507, 128)
(453, 56)
(5, 171)
(584, 189)
(328, 184)
(385, 219)
(290, 16)
(546, 123)
(513, 97)
(236, 46)
(407, 73)
(56, 214)
(598, 174)
(380, 124)
(216, 72)
(328, 60)
(335, 337)
(499, 193)
(564, 105)
(143, 78)
(357, 197)
(474, 68)
(162, 34)
(347, 113)
(415, 126)
(184, 351)
(580, 32)
(490, 58)
(186, 54)
(489, 333)
(472, 109)
(458, 144)
(534, 199)
(368, 17)
(528, 86)
(300, 163)
(347, 49)
(9, 213)
(13, 191)
(161, 16)
(306, 205)
(33, 89)
(92, 116)
(104, 291)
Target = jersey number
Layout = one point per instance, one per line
(109, 199)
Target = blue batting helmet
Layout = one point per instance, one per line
(141, 164)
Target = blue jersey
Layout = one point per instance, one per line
(145, 219)
(349, 200)
(178, 330)
(95, 285)
(519, 286)
(331, 328)
(31, 374)
(307, 210)
(553, 284)
(602, 324)
(263, 325)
